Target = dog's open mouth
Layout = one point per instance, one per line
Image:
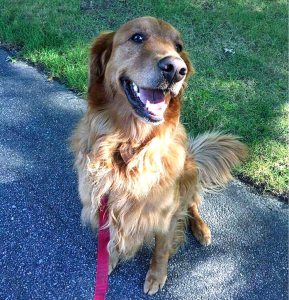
(149, 104)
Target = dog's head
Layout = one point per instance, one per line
(142, 67)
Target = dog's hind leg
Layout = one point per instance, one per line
(200, 229)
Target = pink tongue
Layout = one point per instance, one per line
(154, 101)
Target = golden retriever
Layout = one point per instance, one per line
(131, 145)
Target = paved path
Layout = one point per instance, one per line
(46, 254)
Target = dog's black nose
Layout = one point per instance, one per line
(173, 68)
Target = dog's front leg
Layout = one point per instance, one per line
(113, 259)
(157, 273)
(113, 250)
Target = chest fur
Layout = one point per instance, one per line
(136, 171)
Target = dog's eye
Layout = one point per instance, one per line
(179, 48)
(137, 38)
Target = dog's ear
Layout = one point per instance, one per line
(99, 56)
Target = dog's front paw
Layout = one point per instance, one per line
(154, 282)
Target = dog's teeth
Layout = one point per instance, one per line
(138, 94)
(135, 88)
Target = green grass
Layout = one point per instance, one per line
(243, 93)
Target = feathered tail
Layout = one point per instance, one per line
(215, 154)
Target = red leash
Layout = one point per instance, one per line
(101, 283)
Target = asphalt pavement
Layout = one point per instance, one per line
(47, 254)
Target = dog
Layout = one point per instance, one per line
(131, 146)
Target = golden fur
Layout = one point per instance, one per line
(152, 173)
